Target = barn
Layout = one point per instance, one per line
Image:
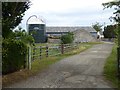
(81, 34)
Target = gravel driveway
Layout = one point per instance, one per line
(84, 70)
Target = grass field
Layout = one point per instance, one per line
(110, 69)
(39, 65)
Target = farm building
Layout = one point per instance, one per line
(37, 28)
(81, 34)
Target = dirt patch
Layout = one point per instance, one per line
(15, 77)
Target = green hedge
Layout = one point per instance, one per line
(13, 55)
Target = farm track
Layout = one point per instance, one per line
(84, 70)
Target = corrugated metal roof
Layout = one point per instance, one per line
(69, 29)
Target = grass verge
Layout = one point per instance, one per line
(39, 65)
(110, 68)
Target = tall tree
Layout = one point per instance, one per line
(109, 31)
(12, 13)
(116, 18)
(97, 26)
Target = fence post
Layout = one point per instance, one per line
(40, 52)
(29, 58)
(118, 56)
(62, 48)
(46, 51)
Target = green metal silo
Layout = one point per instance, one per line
(37, 28)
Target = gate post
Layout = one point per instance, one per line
(47, 51)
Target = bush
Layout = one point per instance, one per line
(13, 55)
(68, 38)
(22, 35)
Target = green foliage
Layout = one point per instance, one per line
(68, 38)
(15, 50)
(116, 5)
(12, 13)
(97, 26)
(13, 55)
(22, 35)
(110, 68)
(110, 31)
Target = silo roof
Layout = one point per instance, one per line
(34, 20)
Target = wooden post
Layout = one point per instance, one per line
(40, 52)
(62, 48)
(46, 51)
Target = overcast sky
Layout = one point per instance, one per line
(69, 12)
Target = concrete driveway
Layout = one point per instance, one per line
(84, 70)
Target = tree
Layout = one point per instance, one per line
(68, 38)
(12, 13)
(97, 26)
(116, 18)
(109, 31)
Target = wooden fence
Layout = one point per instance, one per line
(40, 52)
